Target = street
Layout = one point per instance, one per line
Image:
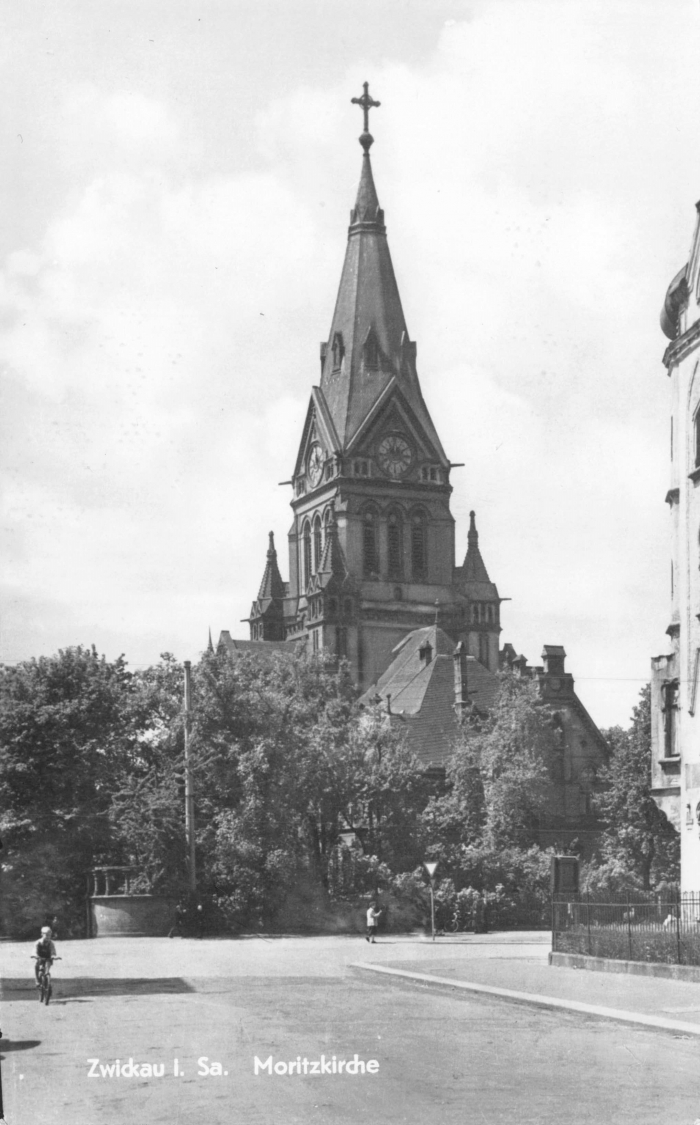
(282, 1001)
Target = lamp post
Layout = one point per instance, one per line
(430, 868)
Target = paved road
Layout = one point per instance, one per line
(440, 1058)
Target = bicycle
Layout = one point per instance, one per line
(44, 978)
(452, 926)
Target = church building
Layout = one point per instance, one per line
(372, 570)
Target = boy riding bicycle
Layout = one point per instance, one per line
(44, 952)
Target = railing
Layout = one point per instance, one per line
(641, 927)
(108, 881)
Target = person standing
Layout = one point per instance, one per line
(373, 915)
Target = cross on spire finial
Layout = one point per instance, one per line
(367, 102)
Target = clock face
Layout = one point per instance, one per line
(394, 455)
(314, 464)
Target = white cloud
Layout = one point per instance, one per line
(160, 333)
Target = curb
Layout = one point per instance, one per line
(689, 973)
(534, 999)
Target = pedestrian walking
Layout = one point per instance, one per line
(180, 913)
(372, 917)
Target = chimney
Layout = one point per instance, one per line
(459, 657)
(553, 657)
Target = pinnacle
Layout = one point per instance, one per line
(272, 585)
(474, 569)
(333, 561)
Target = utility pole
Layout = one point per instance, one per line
(189, 788)
(2, 1108)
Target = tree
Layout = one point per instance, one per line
(147, 799)
(640, 846)
(311, 767)
(283, 757)
(499, 780)
(284, 760)
(64, 732)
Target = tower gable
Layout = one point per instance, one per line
(318, 431)
(394, 440)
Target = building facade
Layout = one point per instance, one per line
(674, 697)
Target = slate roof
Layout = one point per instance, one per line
(423, 694)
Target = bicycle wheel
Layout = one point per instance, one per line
(42, 989)
(49, 991)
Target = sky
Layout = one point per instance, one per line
(176, 184)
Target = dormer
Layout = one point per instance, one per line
(425, 654)
(337, 351)
(371, 354)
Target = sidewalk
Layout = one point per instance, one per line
(669, 1005)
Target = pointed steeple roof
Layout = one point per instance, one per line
(333, 562)
(474, 569)
(272, 586)
(369, 343)
(367, 213)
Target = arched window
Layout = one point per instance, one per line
(370, 552)
(395, 544)
(307, 554)
(484, 649)
(327, 517)
(318, 544)
(418, 546)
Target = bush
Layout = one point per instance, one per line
(512, 885)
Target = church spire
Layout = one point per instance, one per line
(366, 214)
(369, 346)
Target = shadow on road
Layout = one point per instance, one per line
(8, 1045)
(23, 988)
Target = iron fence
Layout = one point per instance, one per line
(636, 928)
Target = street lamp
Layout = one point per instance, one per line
(430, 868)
